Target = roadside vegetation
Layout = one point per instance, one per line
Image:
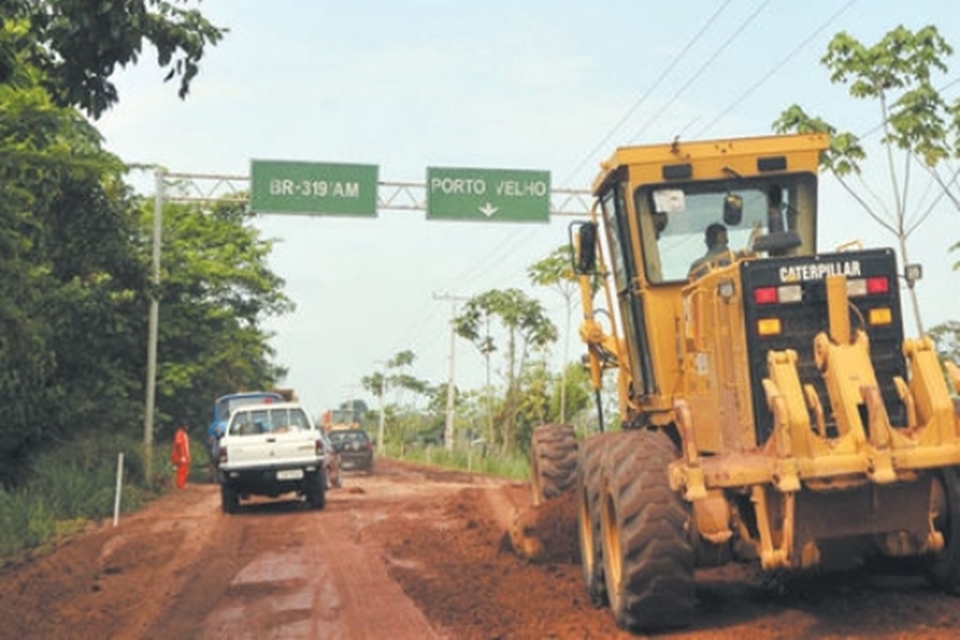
(474, 459)
(75, 266)
(69, 487)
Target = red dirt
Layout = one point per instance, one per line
(405, 553)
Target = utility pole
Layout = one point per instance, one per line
(451, 409)
(153, 329)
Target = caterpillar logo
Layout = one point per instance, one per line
(819, 270)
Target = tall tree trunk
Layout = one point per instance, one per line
(509, 417)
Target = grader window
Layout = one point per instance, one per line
(615, 222)
(675, 217)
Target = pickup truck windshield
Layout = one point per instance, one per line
(256, 421)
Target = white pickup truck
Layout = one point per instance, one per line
(271, 449)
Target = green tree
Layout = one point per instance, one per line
(396, 377)
(533, 401)
(436, 413)
(216, 294)
(541, 393)
(574, 385)
(68, 277)
(527, 328)
(556, 272)
(920, 128)
(73, 277)
(77, 45)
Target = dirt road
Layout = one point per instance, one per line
(405, 553)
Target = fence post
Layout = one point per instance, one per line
(116, 500)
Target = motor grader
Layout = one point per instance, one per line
(770, 409)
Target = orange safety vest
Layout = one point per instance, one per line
(181, 448)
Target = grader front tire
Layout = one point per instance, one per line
(647, 558)
(553, 461)
(588, 516)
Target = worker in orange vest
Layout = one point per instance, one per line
(180, 455)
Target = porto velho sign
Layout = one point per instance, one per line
(495, 195)
(313, 188)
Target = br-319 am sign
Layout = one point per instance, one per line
(497, 195)
(313, 188)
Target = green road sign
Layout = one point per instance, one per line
(313, 188)
(497, 195)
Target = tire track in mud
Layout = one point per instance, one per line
(282, 570)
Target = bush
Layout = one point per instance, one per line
(25, 522)
(70, 485)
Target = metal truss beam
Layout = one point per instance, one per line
(391, 196)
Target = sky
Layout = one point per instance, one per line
(541, 85)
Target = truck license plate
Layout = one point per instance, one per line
(289, 474)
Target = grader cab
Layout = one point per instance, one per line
(770, 408)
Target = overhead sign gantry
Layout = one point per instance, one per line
(450, 193)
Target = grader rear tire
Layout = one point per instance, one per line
(553, 461)
(588, 515)
(647, 558)
(943, 568)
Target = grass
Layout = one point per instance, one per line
(72, 485)
(516, 467)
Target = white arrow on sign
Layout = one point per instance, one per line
(488, 209)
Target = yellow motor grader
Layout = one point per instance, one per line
(770, 408)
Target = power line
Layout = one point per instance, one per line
(425, 327)
(647, 93)
(716, 54)
(699, 34)
(414, 333)
(777, 67)
(505, 247)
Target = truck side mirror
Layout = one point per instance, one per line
(732, 210)
(586, 248)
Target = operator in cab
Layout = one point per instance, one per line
(715, 238)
